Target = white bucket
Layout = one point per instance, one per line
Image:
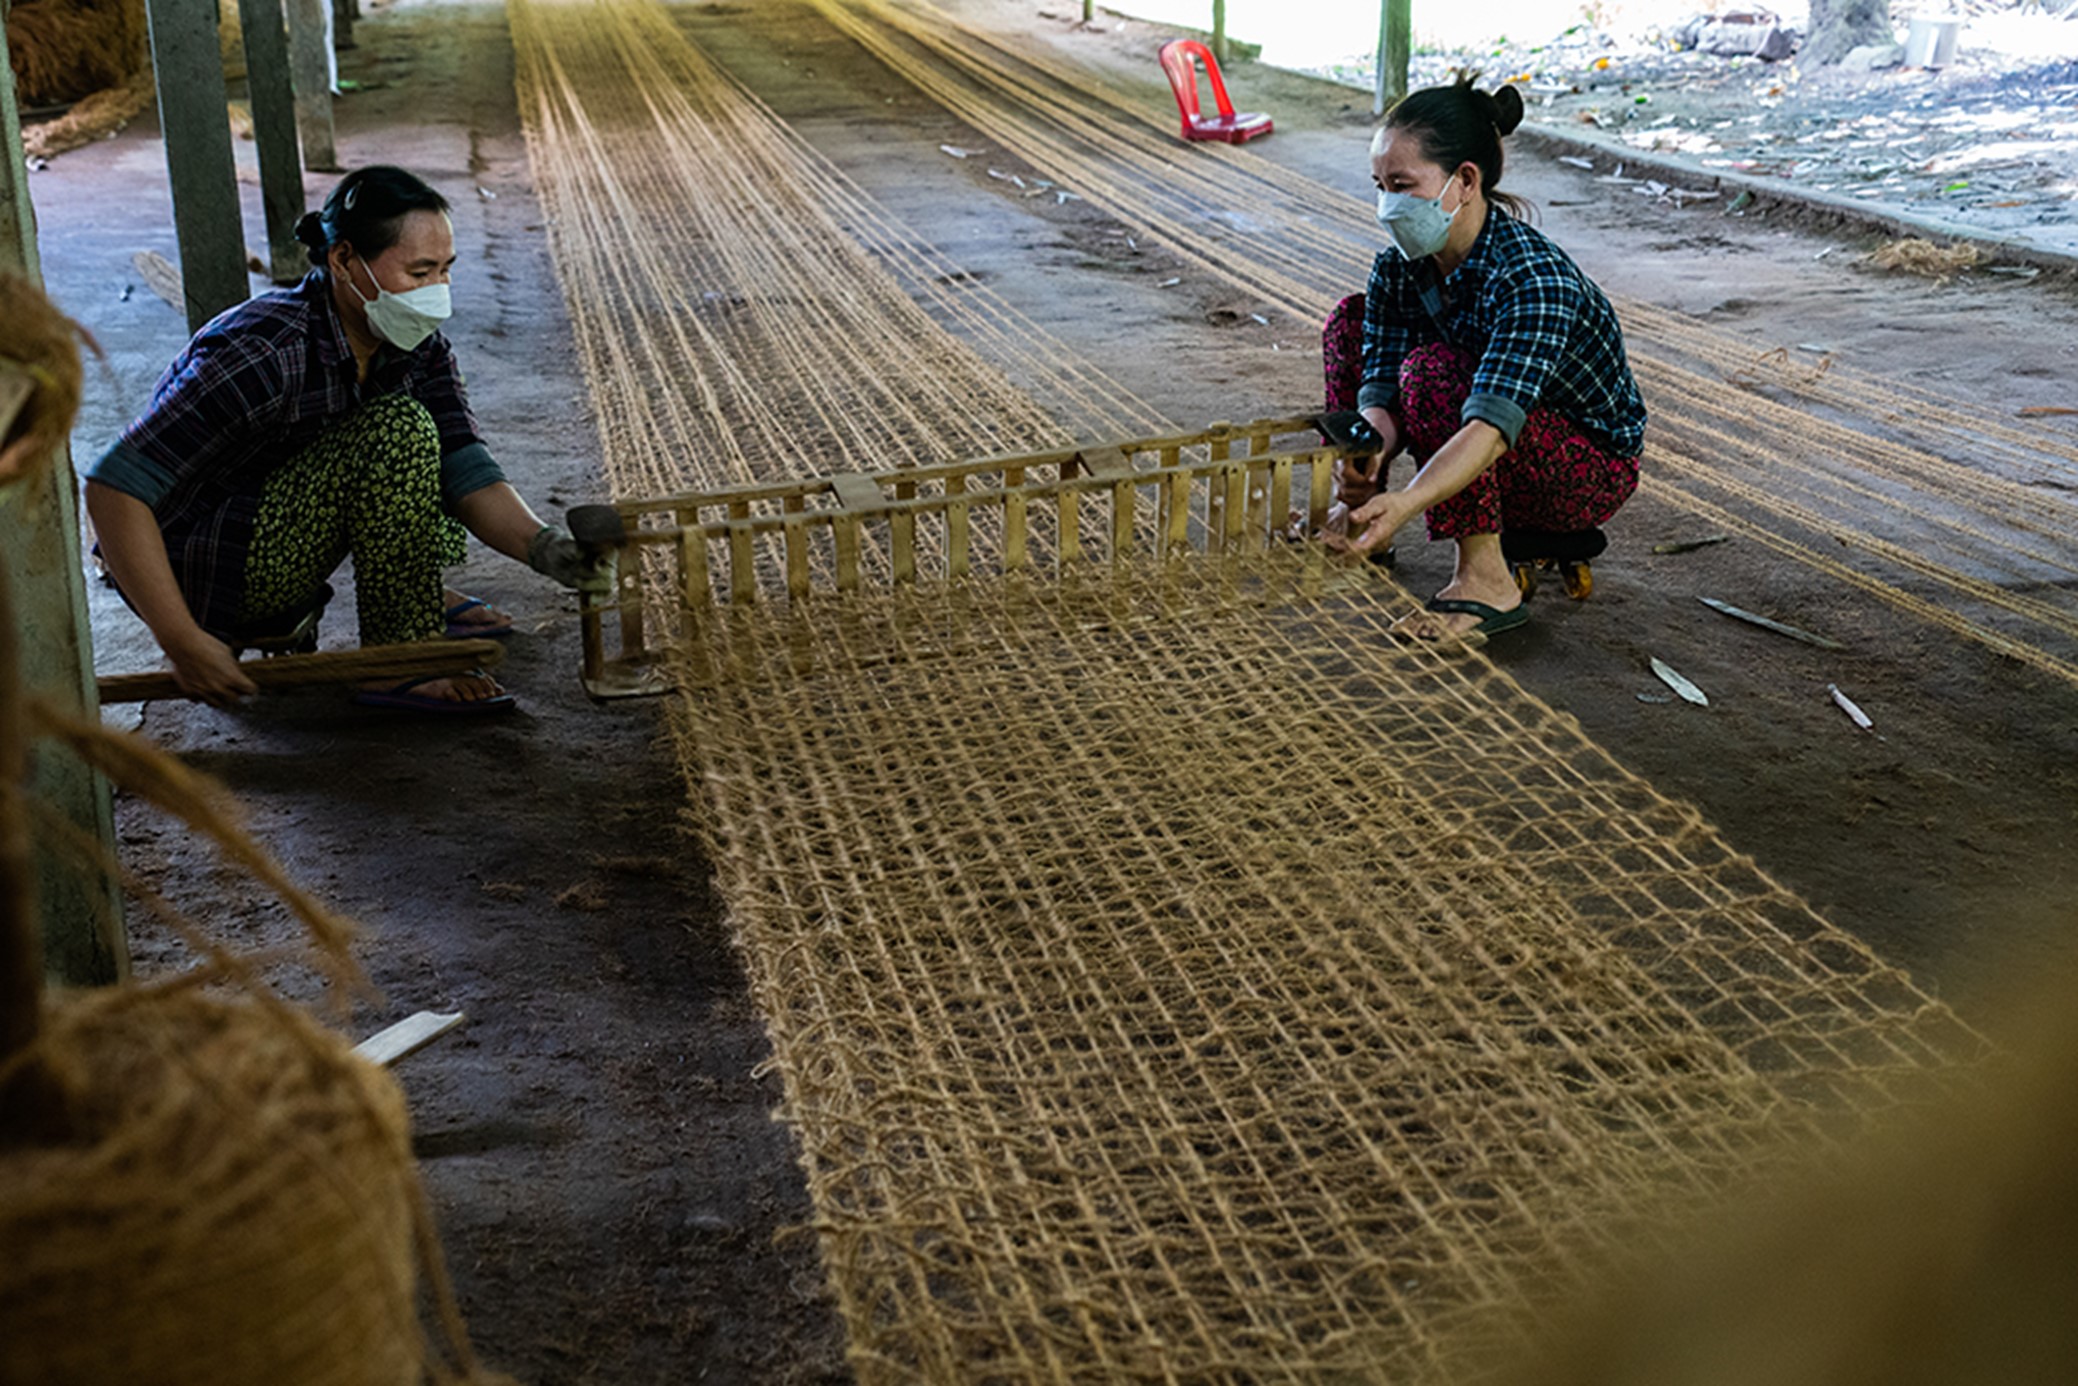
(1931, 42)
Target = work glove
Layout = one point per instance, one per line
(560, 558)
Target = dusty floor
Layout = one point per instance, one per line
(611, 1191)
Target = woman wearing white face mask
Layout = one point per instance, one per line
(308, 425)
(1488, 356)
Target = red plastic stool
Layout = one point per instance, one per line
(1178, 57)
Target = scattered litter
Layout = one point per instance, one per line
(955, 151)
(1576, 161)
(1922, 257)
(1030, 193)
(1169, 283)
(1132, 244)
(2015, 271)
(1655, 697)
(1062, 199)
(408, 1036)
(37, 163)
(1260, 318)
(2045, 411)
(1815, 348)
(1823, 253)
(999, 174)
(1779, 627)
(1738, 205)
(1690, 545)
(1670, 677)
(1860, 718)
(485, 193)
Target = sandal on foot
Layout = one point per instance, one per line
(402, 698)
(1492, 620)
(458, 629)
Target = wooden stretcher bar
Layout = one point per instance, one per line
(1226, 488)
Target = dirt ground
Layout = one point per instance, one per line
(616, 1204)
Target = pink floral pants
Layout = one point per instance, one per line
(1555, 478)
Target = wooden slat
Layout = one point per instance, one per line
(1178, 536)
(743, 570)
(694, 586)
(408, 1036)
(630, 601)
(1280, 492)
(847, 528)
(1124, 496)
(1216, 493)
(903, 528)
(956, 526)
(1014, 506)
(797, 555)
(1320, 488)
(1069, 509)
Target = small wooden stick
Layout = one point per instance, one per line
(422, 658)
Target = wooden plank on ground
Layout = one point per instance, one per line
(407, 1036)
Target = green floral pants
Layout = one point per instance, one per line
(368, 488)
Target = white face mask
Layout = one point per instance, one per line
(1418, 225)
(404, 320)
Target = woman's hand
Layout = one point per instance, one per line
(1357, 478)
(1373, 524)
(207, 671)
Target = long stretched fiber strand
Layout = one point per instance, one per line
(1170, 978)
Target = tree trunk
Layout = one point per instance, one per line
(1838, 27)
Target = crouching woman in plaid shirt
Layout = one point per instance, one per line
(312, 424)
(1488, 356)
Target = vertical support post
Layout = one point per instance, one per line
(1395, 37)
(1219, 31)
(1089, 10)
(344, 13)
(310, 72)
(206, 221)
(80, 909)
(274, 134)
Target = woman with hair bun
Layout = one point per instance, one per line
(309, 425)
(1490, 357)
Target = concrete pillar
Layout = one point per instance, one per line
(274, 134)
(310, 66)
(83, 943)
(197, 130)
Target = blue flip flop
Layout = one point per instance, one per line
(401, 698)
(1492, 620)
(458, 629)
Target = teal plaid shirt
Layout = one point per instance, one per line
(1539, 330)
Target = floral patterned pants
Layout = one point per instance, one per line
(370, 487)
(1555, 478)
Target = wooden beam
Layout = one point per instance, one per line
(206, 221)
(274, 134)
(80, 909)
(310, 74)
(1395, 34)
(1219, 31)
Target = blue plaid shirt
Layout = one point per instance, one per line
(255, 387)
(1539, 329)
